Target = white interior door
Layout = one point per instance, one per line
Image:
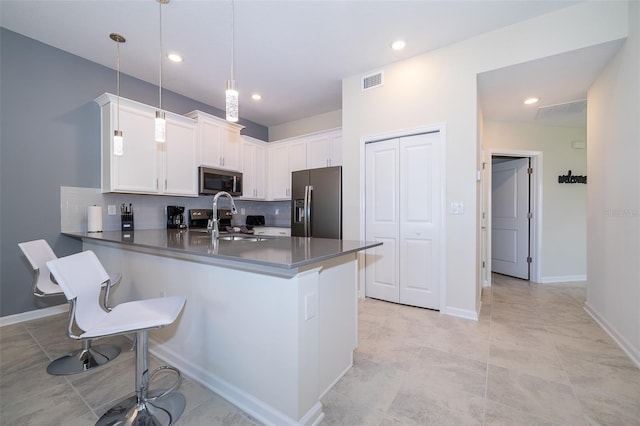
(382, 221)
(403, 211)
(510, 218)
(420, 222)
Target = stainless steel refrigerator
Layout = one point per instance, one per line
(316, 203)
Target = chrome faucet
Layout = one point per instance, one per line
(212, 224)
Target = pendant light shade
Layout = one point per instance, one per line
(118, 141)
(231, 98)
(232, 101)
(161, 127)
(160, 121)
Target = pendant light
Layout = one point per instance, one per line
(231, 104)
(160, 122)
(118, 142)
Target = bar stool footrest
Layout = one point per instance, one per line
(163, 393)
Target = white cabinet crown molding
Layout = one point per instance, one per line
(106, 98)
(195, 114)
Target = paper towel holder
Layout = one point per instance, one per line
(94, 219)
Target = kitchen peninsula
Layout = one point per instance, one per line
(270, 323)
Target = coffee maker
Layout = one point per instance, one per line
(175, 217)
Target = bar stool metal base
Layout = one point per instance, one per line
(84, 359)
(163, 411)
(161, 407)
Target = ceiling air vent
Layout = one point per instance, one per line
(557, 110)
(372, 80)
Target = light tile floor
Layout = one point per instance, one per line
(534, 358)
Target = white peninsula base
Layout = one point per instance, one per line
(271, 345)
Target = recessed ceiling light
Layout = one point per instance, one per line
(398, 45)
(256, 96)
(531, 101)
(174, 57)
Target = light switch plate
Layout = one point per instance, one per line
(456, 208)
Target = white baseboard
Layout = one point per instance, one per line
(35, 314)
(563, 279)
(462, 313)
(246, 402)
(625, 345)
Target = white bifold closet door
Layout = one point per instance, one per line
(403, 211)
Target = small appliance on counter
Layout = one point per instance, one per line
(198, 218)
(126, 217)
(255, 220)
(224, 218)
(175, 217)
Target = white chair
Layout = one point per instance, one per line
(38, 253)
(80, 277)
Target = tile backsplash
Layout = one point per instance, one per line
(150, 211)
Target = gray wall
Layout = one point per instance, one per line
(50, 137)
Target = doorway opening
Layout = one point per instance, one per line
(507, 251)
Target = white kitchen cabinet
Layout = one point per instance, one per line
(180, 159)
(147, 167)
(284, 158)
(324, 149)
(219, 143)
(254, 168)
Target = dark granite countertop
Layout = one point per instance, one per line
(274, 252)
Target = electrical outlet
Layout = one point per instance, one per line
(111, 209)
(277, 212)
(163, 293)
(242, 212)
(310, 306)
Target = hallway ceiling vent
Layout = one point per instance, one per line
(559, 110)
(372, 80)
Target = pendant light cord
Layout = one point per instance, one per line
(118, 82)
(233, 35)
(160, 84)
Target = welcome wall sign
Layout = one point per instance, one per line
(569, 178)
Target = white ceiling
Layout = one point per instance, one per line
(555, 80)
(294, 53)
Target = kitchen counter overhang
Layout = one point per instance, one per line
(279, 256)
(268, 325)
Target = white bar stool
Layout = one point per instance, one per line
(80, 276)
(38, 253)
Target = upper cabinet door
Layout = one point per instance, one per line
(219, 142)
(180, 165)
(231, 149)
(324, 149)
(210, 143)
(135, 171)
(279, 173)
(253, 169)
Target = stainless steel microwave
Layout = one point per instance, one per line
(213, 181)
